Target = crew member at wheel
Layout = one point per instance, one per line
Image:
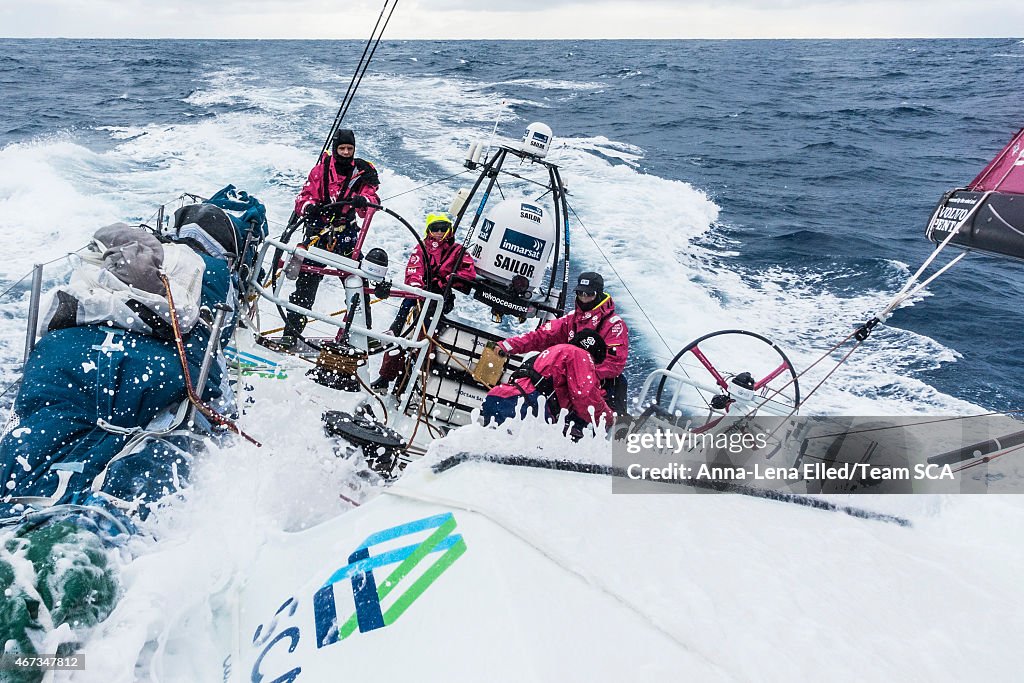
(338, 176)
(446, 259)
(595, 311)
(566, 375)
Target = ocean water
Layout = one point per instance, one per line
(776, 186)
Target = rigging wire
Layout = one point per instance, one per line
(294, 221)
(360, 70)
(625, 286)
(370, 57)
(357, 77)
(10, 386)
(45, 263)
(909, 289)
(988, 458)
(622, 281)
(432, 182)
(15, 284)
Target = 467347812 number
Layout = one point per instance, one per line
(13, 662)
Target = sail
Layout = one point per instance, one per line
(988, 215)
(1005, 173)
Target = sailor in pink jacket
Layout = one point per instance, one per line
(347, 177)
(446, 259)
(565, 371)
(338, 175)
(594, 310)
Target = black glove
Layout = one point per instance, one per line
(358, 202)
(311, 211)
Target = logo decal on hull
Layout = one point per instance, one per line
(414, 573)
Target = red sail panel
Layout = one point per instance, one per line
(1005, 173)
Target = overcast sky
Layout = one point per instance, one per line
(453, 19)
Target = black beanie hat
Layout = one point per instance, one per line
(593, 343)
(343, 136)
(590, 283)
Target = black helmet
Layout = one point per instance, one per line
(209, 225)
(593, 343)
(343, 136)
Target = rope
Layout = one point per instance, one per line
(937, 420)
(431, 429)
(331, 315)
(363, 384)
(434, 432)
(18, 282)
(829, 374)
(927, 282)
(906, 292)
(373, 393)
(980, 461)
(827, 354)
(622, 281)
(203, 408)
(438, 344)
(348, 365)
(419, 411)
(423, 397)
(275, 330)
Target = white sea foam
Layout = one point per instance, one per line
(553, 84)
(235, 86)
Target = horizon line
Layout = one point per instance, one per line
(363, 39)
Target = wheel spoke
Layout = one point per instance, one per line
(719, 380)
(770, 376)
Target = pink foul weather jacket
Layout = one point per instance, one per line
(361, 181)
(601, 318)
(576, 382)
(446, 259)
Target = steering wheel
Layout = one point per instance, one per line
(733, 366)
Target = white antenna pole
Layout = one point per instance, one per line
(494, 132)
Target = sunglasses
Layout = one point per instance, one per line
(439, 227)
(586, 295)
